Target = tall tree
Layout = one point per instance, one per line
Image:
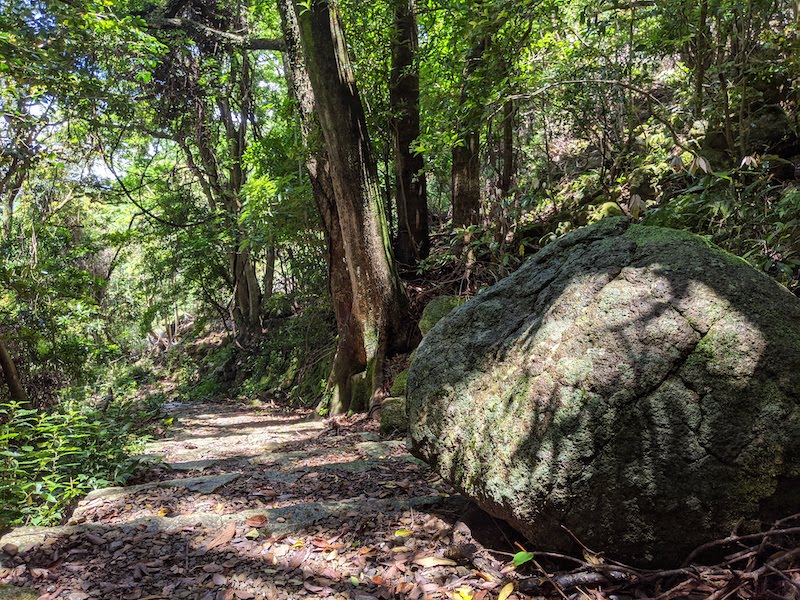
(412, 241)
(368, 315)
(204, 98)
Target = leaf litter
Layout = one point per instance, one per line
(397, 532)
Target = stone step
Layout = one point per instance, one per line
(285, 519)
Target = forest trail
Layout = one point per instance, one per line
(256, 503)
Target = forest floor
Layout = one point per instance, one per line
(262, 503)
(269, 504)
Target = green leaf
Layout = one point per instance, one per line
(520, 558)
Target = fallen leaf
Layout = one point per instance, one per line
(252, 534)
(403, 532)
(219, 579)
(592, 558)
(223, 537)
(434, 561)
(257, 521)
(212, 568)
(95, 539)
(314, 589)
(464, 593)
(507, 590)
(298, 558)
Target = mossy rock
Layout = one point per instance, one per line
(634, 384)
(604, 211)
(399, 384)
(436, 309)
(12, 592)
(393, 416)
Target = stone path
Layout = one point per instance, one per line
(240, 503)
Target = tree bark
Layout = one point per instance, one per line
(349, 357)
(363, 282)
(466, 193)
(507, 174)
(11, 376)
(268, 282)
(412, 243)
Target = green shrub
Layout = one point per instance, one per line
(49, 459)
(746, 213)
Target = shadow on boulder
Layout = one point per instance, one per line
(634, 385)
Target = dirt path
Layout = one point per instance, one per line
(246, 503)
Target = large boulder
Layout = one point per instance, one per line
(636, 385)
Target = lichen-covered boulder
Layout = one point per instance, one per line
(636, 385)
(436, 309)
(393, 416)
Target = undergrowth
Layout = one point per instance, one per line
(49, 458)
(289, 363)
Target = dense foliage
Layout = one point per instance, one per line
(156, 198)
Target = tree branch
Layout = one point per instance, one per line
(242, 41)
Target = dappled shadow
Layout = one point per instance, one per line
(610, 405)
(336, 534)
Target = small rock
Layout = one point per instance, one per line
(393, 416)
(11, 549)
(97, 540)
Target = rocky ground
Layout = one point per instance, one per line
(260, 503)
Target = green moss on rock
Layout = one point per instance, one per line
(393, 416)
(399, 384)
(636, 384)
(436, 309)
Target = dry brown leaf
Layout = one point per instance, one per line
(298, 558)
(257, 521)
(212, 568)
(219, 579)
(224, 536)
(434, 561)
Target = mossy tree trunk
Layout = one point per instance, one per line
(363, 283)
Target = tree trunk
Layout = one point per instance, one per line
(412, 243)
(268, 283)
(364, 285)
(466, 194)
(507, 173)
(247, 301)
(11, 376)
(467, 180)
